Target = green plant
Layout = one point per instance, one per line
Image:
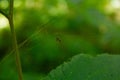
(15, 45)
(87, 67)
(78, 27)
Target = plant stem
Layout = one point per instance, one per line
(3, 13)
(15, 45)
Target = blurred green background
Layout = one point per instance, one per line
(50, 32)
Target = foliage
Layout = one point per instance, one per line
(51, 32)
(87, 67)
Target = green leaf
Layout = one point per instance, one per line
(86, 67)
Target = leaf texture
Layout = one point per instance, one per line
(86, 67)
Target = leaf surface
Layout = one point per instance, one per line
(86, 67)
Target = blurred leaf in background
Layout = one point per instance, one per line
(51, 32)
